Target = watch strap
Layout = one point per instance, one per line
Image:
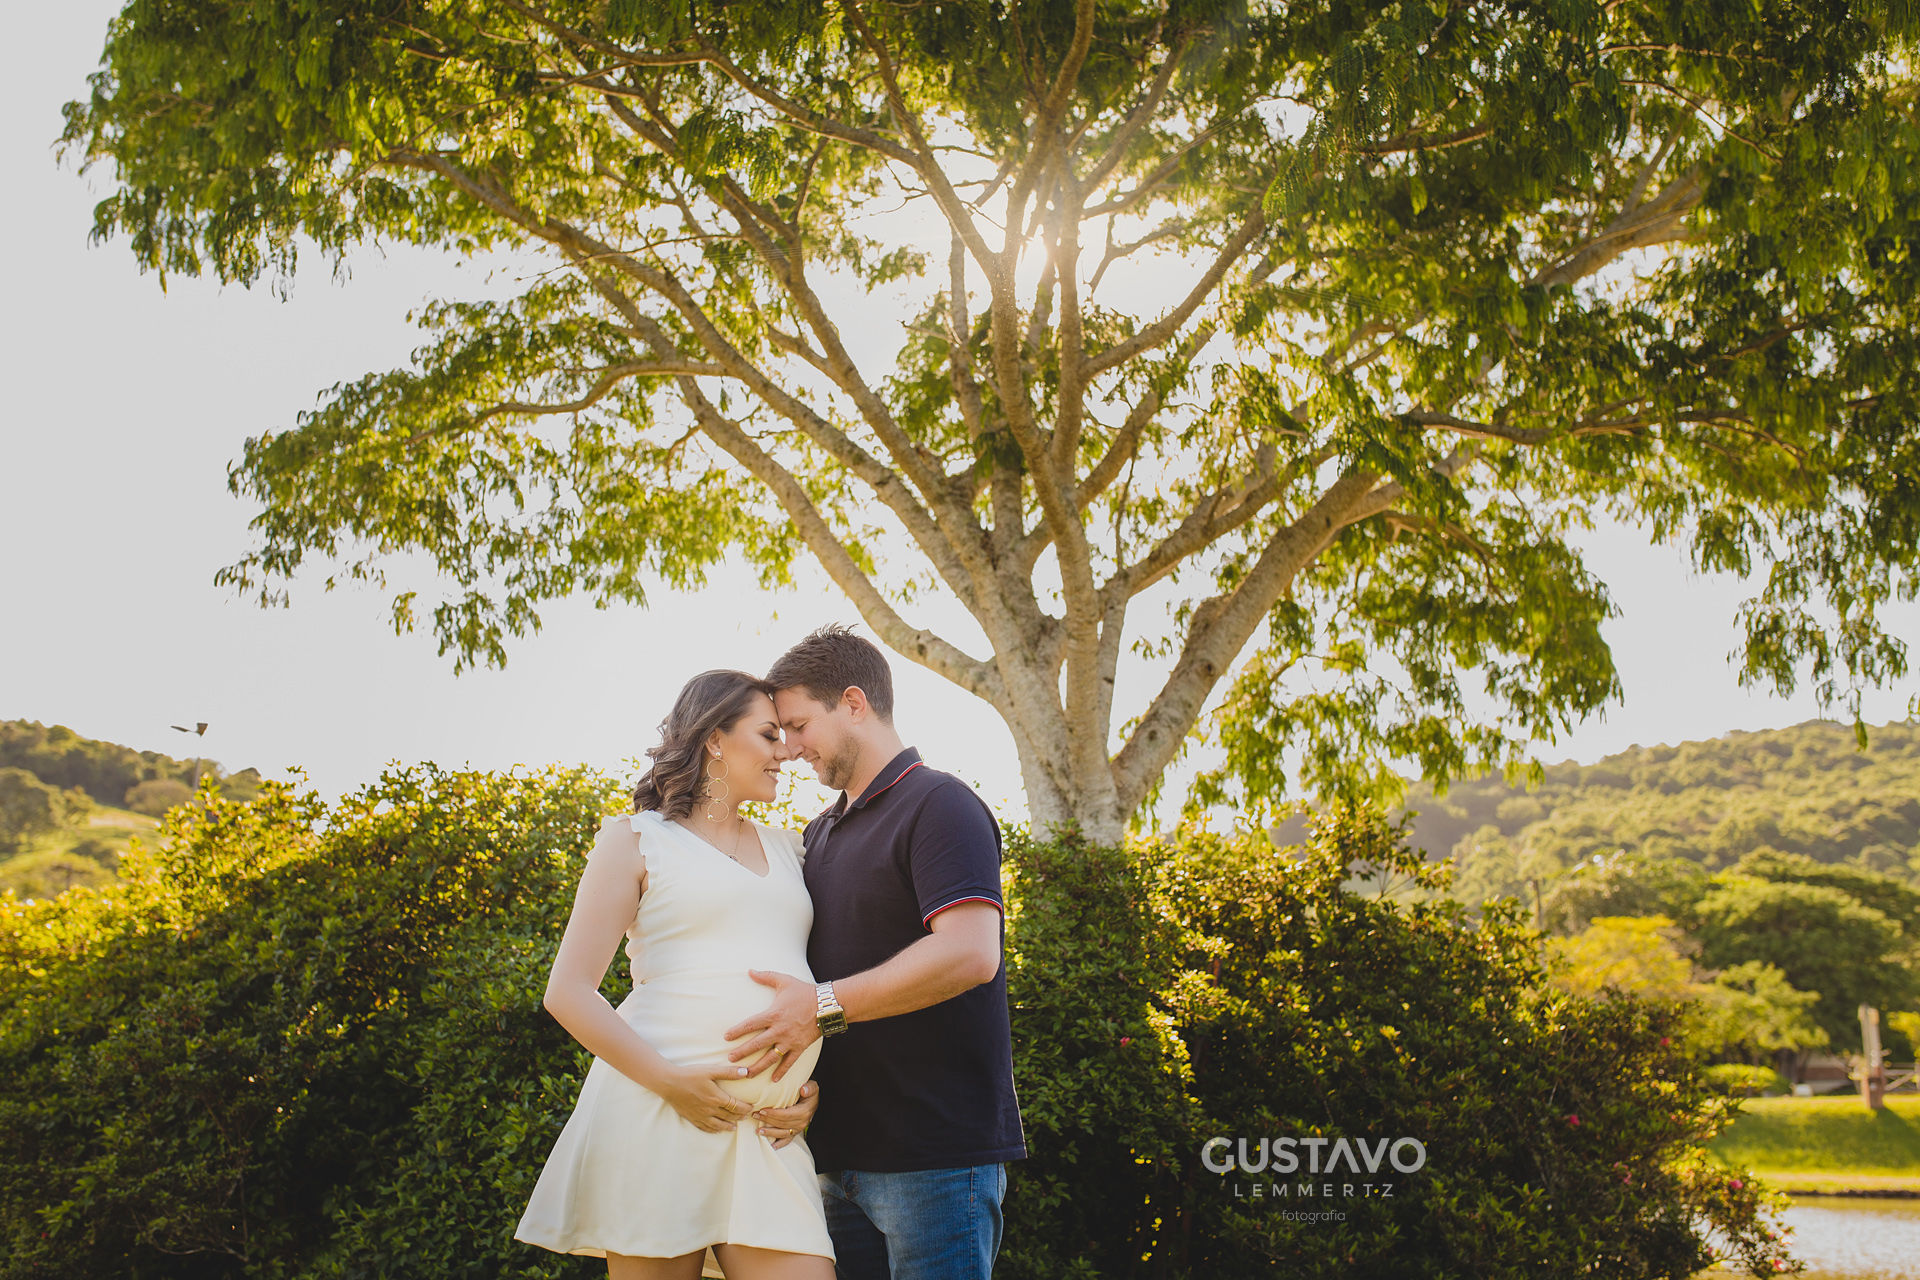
(831, 1018)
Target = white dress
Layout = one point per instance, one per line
(629, 1175)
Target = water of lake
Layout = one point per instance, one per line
(1843, 1238)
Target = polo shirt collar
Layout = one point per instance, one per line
(895, 770)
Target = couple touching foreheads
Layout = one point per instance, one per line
(865, 953)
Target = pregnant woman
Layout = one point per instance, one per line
(662, 1158)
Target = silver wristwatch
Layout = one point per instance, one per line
(832, 1019)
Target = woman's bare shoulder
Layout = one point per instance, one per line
(619, 840)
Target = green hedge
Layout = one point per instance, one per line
(297, 1041)
(306, 1041)
(1213, 985)
(1744, 1081)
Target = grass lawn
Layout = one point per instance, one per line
(115, 827)
(1827, 1144)
(80, 854)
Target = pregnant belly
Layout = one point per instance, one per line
(685, 1016)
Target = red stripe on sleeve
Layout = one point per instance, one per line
(957, 901)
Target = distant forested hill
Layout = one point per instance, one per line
(70, 806)
(106, 771)
(1803, 790)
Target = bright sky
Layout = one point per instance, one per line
(125, 406)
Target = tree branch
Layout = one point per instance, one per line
(622, 56)
(1699, 107)
(602, 386)
(1479, 430)
(1114, 253)
(920, 155)
(966, 388)
(923, 646)
(1136, 119)
(811, 121)
(1153, 181)
(789, 272)
(1419, 140)
(1220, 628)
(1655, 222)
(1042, 139)
(585, 249)
(1120, 451)
(1169, 324)
(1213, 518)
(1659, 157)
(1071, 397)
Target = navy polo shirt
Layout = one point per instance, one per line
(931, 1089)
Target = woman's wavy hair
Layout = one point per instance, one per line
(711, 700)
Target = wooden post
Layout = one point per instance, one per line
(1873, 1080)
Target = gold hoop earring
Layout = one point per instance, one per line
(717, 791)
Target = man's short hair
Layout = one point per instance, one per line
(829, 662)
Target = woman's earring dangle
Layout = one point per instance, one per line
(717, 791)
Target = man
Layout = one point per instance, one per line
(917, 1114)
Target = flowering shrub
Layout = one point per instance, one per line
(297, 1041)
(1211, 985)
(305, 1042)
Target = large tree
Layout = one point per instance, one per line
(1438, 281)
(1821, 938)
(29, 809)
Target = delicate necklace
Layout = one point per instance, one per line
(736, 842)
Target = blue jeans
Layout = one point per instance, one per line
(934, 1224)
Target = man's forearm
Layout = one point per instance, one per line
(938, 967)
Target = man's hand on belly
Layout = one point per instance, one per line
(782, 1125)
(782, 1029)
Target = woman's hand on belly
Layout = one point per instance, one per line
(695, 1092)
(776, 1088)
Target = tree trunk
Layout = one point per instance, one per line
(1049, 806)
